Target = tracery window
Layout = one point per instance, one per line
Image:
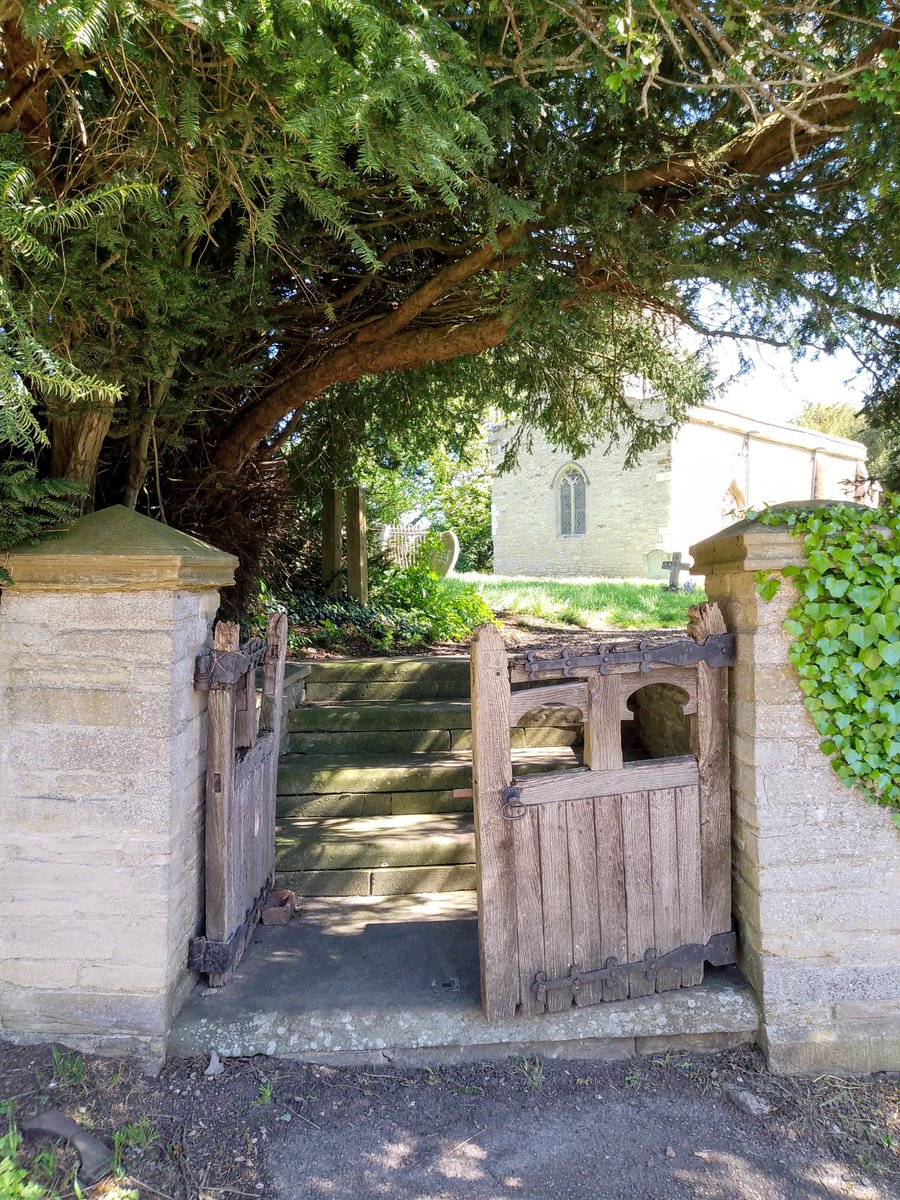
(572, 493)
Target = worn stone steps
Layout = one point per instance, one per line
(305, 774)
(375, 790)
(410, 727)
(389, 679)
(375, 855)
(374, 716)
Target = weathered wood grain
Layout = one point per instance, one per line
(332, 542)
(584, 784)
(564, 695)
(529, 907)
(638, 885)
(219, 793)
(245, 711)
(611, 889)
(710, 730)
(557, 902)
(240, 795)
(586, 947)
(690, 891)
(357, 547)
(603, 725)
(494, 837)
(664, 885)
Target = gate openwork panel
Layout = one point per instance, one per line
(611, 880)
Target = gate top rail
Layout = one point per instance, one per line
(220, 668)
(717, 650)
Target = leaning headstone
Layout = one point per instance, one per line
(443, 561)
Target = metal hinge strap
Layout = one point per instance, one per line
(717, 650)
(719, 951)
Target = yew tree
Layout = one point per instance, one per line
(317, 221)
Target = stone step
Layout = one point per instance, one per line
(413, 688)
(374, 716)
(375, 804)
(305, 774)
(375, 855)
(421, 741)
(453, 668)
(410, 727)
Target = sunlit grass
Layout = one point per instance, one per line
(584, 603)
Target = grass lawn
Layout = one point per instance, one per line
(584, 603)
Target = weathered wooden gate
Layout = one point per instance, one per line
(613, 879)
(241, 769)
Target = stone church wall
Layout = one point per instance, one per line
(718, 464)
(624, 514)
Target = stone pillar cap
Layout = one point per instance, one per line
(117, 550)
(749, 546)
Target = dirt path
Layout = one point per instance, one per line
(672, 1126)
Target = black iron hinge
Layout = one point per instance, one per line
(719, 951)
(717, 650)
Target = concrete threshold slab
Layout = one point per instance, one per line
(377, 978)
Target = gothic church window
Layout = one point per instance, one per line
(572, 493)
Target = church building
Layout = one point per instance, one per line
(554, 515)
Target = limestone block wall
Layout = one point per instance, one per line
(664, 728)
(102, 761)
(816, 869)
(626, 511)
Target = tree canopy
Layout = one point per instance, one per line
(279, 209)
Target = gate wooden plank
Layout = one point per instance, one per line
(219, 797)
(586, 947)
(494, 837)
(585, 784)
(557, 902)
(563, 695)
(529, 907)
(245, 711)
(611, 888)
(711, 748)
(597, 886)
(664, 859)
(690, 891)
(638, 884)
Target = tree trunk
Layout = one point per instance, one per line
(76, 442)
(402, 351)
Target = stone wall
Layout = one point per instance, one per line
(673, 496)
(101, 790)
(663, 726)
(626, 511)
(816, 869)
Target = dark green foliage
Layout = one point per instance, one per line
(368, 219)
(846, 632)
(31, 508)
(410, 608)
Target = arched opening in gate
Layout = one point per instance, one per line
(657, 722)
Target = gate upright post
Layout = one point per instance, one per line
(494, 850)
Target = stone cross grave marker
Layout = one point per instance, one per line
(674, 566)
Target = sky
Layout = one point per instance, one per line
(777, 389)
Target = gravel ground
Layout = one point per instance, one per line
(712, 1126)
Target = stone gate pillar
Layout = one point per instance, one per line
(816, 869)
(101, 774)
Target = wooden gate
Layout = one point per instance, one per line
(614, 879)
(241, 774)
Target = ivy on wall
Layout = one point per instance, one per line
(845, 630)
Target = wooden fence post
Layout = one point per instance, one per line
(357, 549)
(331, 541)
